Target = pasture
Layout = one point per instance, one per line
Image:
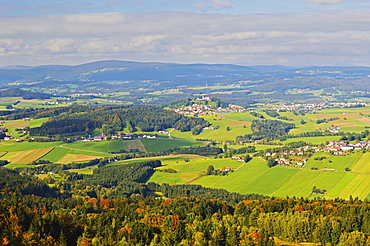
(188, 171)
(28, 156)
(105, 147)
(279, 181)
(158, 145)
(232, 125)
(166, 160)
(22, 146)
(333, 162)
(229, 127)
(312, 140)
(65, 155)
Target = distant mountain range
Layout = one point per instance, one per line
(124, 70)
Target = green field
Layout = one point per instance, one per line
(252, 177)
(29, 156)
(279, 181)
(333, 162)
(238, 123)
(166, 160)
(98, 146)
(143, 145)
(312, 140)
(14, 146)
(158, 145)
(188, 171)
(67, 155)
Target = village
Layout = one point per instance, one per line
(201, 110)
(299, 157)
(316, 106)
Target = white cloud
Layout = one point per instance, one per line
(326, 1)
(313, 39)
(213, 5)
(220, 4)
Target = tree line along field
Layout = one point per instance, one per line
(253, 177)
(232, 125)
(279, 181)
(24, 153)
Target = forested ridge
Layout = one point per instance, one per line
(115, 207)
(182, 221)
(16, 92)
(114, 119)
(267, 129)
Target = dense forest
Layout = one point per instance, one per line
(82, 120)
(267, 129)
(182, 221)
(115, 206)
(16, 92)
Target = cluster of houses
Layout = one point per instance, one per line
(200, 109)
(125, 136)
(316, 106)
(43, 172)
(237, 158)
(339, 147)
(87, 94)
(8, 135)
(334, 129)
(282, 157)
(285, 162)
(196, 109)
(336, 147)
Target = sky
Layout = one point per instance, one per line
(245, 32)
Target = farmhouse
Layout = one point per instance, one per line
(346, 148)
(163, 132)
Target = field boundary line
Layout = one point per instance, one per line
(61, 146)
(195, 179)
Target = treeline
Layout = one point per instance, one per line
(319, 121)
(113, 119)
(197, 150)
(124, 180)
(285, 148)
(15, 92)
(183, 221)
(37, 113)
(11, 181)
(187, 190)
(267, 129)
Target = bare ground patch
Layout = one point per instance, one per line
(134, 146)
(19, 124)
(28, 156)
(85, 158)
(364, 120)
(343, 123)
(239, 123)
(68, 158)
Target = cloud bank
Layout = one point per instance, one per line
(325, 38)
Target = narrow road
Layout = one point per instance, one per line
(169, 133)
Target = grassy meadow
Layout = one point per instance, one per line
(232, 125)
(252, 177)
(279, 181)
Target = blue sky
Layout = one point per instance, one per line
(249, 32)
(234, 7)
